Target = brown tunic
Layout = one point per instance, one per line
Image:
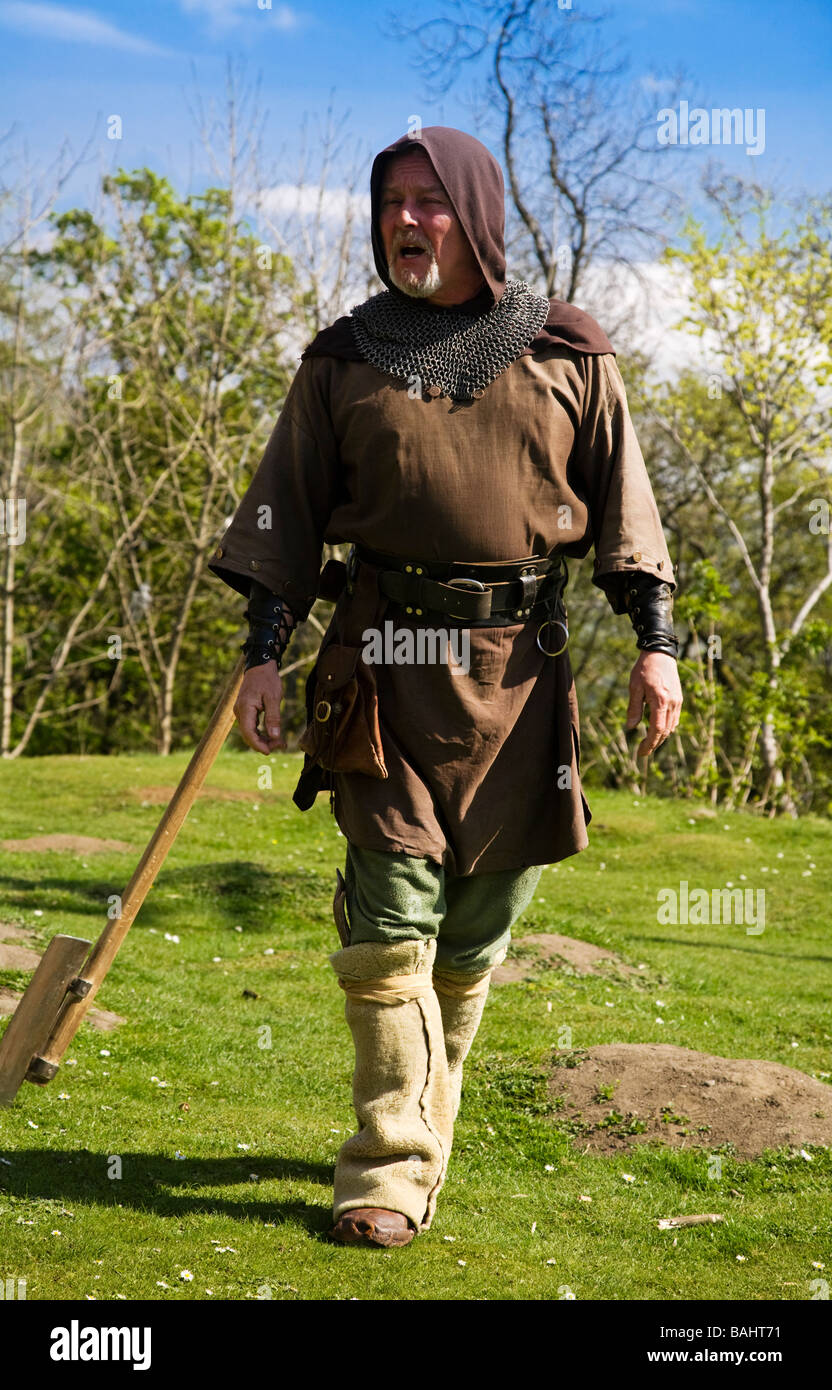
(484, 766)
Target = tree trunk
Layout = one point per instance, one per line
(166, 717)
(9, 577)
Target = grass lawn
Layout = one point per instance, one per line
(200, 1136)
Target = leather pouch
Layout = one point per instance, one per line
(342, 733)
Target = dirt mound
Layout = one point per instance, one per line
(102, 1019)
(79, 844)
(160, 796)
(9, 932)
(628, 1094)
(15, 957)
(584, 958)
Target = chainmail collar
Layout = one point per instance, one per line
(442, 351)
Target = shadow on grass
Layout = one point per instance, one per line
(238, 890)
(727, 946)
(149, 1182)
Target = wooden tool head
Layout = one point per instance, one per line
(32, 1022)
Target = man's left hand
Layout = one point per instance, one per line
(654, 679)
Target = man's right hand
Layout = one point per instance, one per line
(261, 690)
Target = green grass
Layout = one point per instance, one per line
(273, 1073)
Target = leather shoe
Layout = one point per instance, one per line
(373, 1226)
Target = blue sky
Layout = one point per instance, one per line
(67, 67)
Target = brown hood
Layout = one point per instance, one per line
(473, 180)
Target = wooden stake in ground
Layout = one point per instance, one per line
(59, 994)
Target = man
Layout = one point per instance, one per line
(464, 434)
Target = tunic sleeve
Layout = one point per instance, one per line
(626, 527)
(276, 535)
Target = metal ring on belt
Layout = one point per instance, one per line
(553, 622)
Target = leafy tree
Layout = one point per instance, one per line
(752, 432)
(182, 374)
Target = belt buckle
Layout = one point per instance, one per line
(474, 586)
(464, 583)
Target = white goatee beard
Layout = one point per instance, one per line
(422, 288)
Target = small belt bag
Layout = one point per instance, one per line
(342, 733)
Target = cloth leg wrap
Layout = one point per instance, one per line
(401, 1090)
(461, 1002)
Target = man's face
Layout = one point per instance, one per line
(428, 253)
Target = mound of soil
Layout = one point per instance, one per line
(9, 932)
(549, 946)
(160, 796)
(102, 1019)
(79, 844)
(689, 1099)
(14, 957)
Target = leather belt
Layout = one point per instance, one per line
(493, 592)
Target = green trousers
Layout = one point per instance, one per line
(399, 897)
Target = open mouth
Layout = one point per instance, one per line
(411, 253)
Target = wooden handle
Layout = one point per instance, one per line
(106, 947)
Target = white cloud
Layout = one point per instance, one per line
(646, 302)
(227, 14)
(303, 199)
(74, 26)
(650, 83)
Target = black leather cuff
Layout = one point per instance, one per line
(271, 622)
(649, 602)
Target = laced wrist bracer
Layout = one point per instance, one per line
(271, 622)
(649, 602)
